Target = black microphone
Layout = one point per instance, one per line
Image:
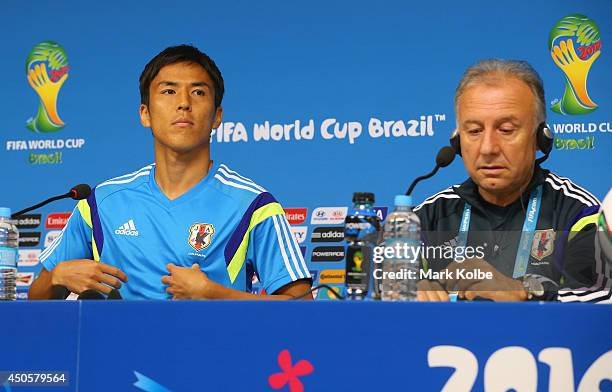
(60, 292)
(114, 294)
(78, 192)
(91, 294)
(445, 157)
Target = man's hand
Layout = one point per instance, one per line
(192, 283)
(81, 275)
(430, 291)
(189, 283)
(499, 288)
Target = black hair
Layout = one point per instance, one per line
(180, 54)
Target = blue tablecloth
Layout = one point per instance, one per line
(343, 346)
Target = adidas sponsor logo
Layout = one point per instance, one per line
(127, 228)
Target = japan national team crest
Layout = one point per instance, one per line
(200, 235)
(543, 244)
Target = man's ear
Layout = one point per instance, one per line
(145, 118)
(218, 117)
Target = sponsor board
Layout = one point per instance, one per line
(27, 221)
(327, 253)
(381, 212)
(299, 232)
(23, 295)
(325, 293)
(328, 234)
(24, 278)
(57, 220)
(51, 236)
(332, 276)
(28, 257)
(328, 215)
(314, 274)
(296, 216)
(29, 239)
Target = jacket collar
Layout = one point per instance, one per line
(468, 190)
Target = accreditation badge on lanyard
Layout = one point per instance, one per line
(531, 219)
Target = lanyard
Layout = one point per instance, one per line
(531, 219)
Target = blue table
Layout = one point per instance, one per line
(345, 346)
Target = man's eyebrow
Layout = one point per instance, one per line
(510, 118)
(171, 83)
(197, 84)
(469, 122)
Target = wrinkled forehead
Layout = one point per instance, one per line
(496, 94)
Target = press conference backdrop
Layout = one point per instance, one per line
(322, 98)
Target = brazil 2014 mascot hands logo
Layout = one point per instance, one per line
(47, 70)
(574, 44)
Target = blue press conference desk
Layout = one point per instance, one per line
(235, 346)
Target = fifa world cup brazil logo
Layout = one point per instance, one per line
(47, 70)
(575, 44)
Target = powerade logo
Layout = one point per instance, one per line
(327, 253)
(29, 239)
(574, 43)
(46, 71)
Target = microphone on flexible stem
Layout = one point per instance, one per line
(78, 192)
(91, 294)
(60, 292)
(114, 294)
(445, 157)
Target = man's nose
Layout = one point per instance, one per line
(184, 101)
(489, 144)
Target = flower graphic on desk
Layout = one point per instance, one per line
(290, 374)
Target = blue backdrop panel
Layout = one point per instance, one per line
(354, 63)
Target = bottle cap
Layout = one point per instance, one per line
(5, 212)
(366, 197)
(403, 200)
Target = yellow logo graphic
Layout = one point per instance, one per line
(47, 70)
(574, 44)
(331, 276)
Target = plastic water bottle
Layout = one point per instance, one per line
(402, 232)
(361, 232)
(9, 241)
